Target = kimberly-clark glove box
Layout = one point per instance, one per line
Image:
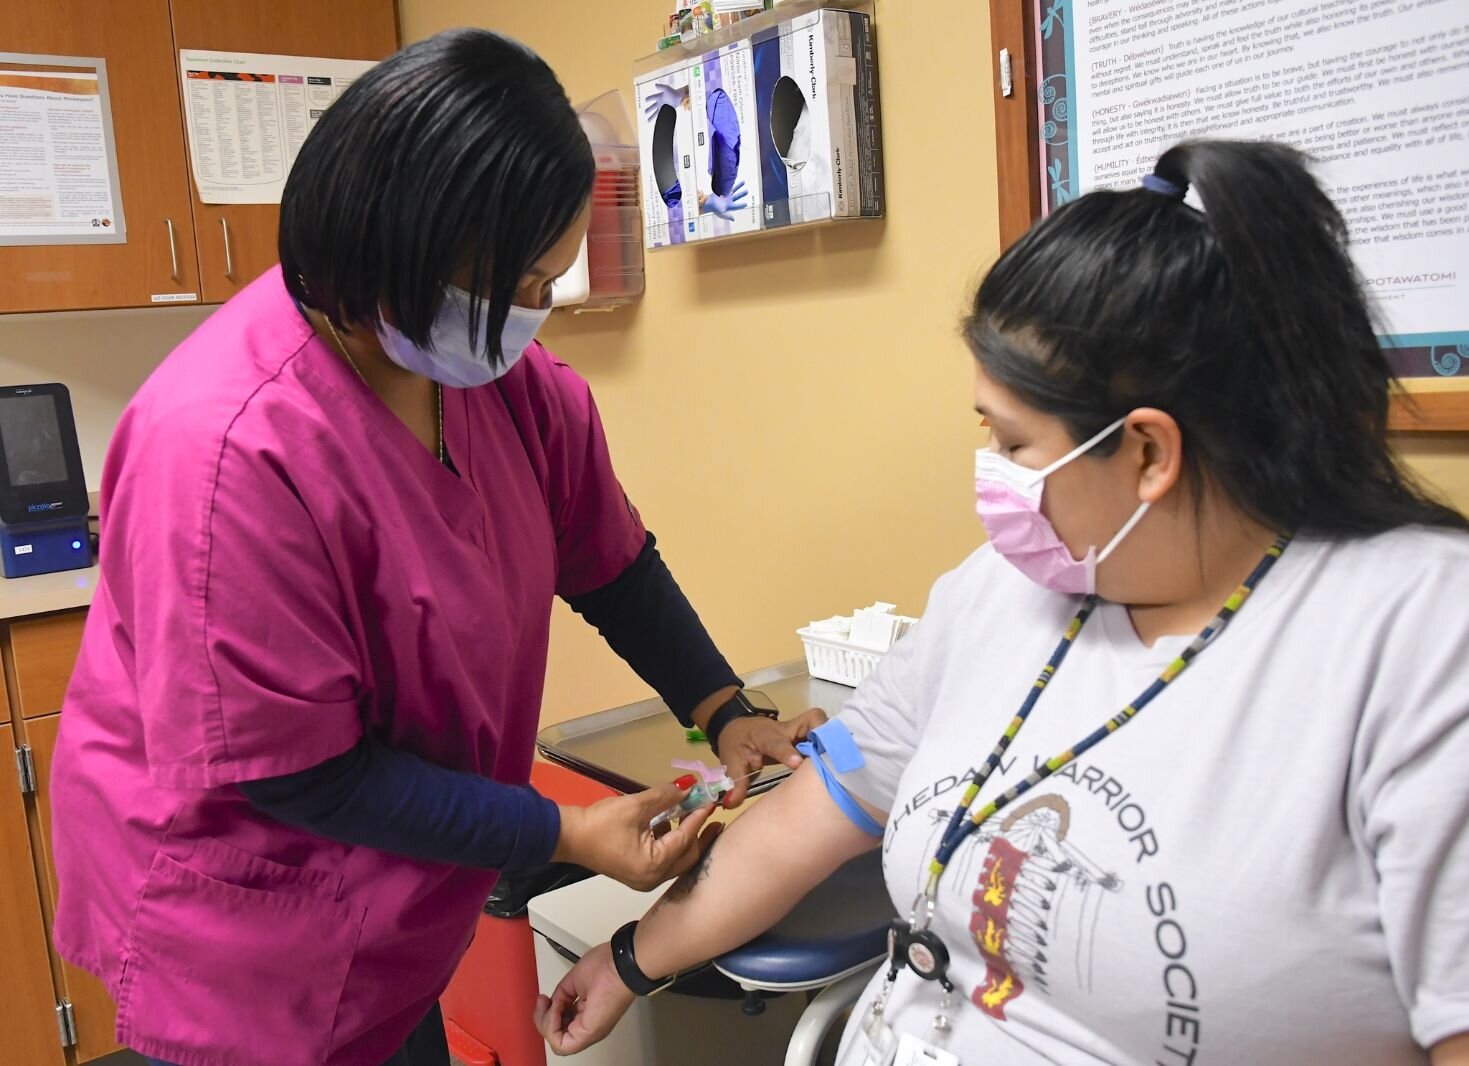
(771, 122)
(666, 146)
(820, 127)
(726, 142)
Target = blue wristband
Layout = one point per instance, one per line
(834, 741)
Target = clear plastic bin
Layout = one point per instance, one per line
(614, 237)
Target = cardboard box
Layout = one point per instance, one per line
(666, 150)
(726, 142)
(818, 113)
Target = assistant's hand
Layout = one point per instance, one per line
(588, 1002)
(725, 206)
(747, 744)
(663, 95)
(612, 837)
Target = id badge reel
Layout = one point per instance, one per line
(875, 1043)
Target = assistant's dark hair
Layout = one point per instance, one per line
(1245, 321)
(459, 151)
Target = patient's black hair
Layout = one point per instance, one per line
(1246, 321)
(458, 152)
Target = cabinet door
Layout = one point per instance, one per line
(237, 242)
(28, 1031)
(158, 259)
(96, 1017)
(41, 654)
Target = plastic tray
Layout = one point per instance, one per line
(631, 748)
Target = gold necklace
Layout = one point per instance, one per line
(438, 389)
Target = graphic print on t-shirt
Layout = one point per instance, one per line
(1037, 902)
(1267, 886)
(1050, 892)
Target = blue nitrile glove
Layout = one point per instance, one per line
(663, 95)
(726, 206)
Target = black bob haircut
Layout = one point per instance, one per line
(460, 152)
(1245, 321)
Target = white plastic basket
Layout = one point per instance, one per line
(836, 660)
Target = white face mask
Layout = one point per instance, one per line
(449, 359)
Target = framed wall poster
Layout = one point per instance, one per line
(58, 157)
(1091, 92)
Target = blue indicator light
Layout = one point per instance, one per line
(76, 545)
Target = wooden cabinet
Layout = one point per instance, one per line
(39, 656)
(237, 242)
(27, 997)
(95, 1017)
(158, 259)
(176, 245)
(39, 989)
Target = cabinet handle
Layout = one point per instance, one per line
(229, 256)
(173, 249)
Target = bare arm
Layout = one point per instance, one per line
(766, 862)
(788, 844)
(1451, 1052)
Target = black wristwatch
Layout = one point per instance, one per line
(638, 983)
(743, 704)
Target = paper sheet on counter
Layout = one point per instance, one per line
(247, 115)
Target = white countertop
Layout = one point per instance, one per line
(583, 915)
(21, 597)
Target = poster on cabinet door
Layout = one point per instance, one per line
(58, 162)
(247, 115)
(1376, 90)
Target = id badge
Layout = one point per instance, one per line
(874, 1044)
(915, 1052)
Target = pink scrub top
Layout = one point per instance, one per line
(284, 569)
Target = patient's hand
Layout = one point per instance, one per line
(588, 1002)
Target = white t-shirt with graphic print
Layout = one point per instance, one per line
(1269, 865)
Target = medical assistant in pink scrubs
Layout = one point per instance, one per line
(295, 749)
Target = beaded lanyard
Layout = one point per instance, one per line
(912, 942)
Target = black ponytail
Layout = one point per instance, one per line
(1245, 321)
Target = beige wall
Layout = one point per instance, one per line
(791, 414)
(101, 356)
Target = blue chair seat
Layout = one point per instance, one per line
(839, 927)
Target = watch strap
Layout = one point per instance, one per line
(737, 706)
(638, 983)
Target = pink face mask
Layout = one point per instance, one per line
(1010, 508)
